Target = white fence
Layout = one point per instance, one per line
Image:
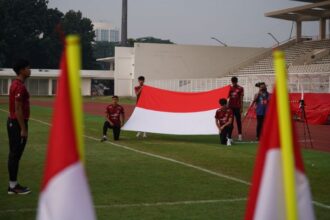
(298, 82)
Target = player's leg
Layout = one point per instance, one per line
(262, 124)
(106, 126)
(223, 138)
(116, 132)
(260, 120)
(16, 149)
(230, 133)
(238, 122)
(228, 130)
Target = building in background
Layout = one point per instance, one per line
(43, 82)
(106, 32)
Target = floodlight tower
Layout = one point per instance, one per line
(124, 24)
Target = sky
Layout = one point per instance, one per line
(235, 22)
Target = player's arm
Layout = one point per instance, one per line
(242, 97)
(254, 102)
(122, 119)
(20, 118)
(230, 121)
(107, 116)
(138, 91)
(217, 123)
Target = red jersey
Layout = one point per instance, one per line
(19, 93)
(114, 112)
(224, 114)
(236, 94)
(137, 89)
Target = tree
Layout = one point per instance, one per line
(103, 49)
(74, 23)
(50, 45)
(152, 40)
(28, 29)
(21, 22)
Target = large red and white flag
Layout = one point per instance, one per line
(182, 113)
(276, 192)
(65, 193)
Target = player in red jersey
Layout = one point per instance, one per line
(115, 118)
(138, 90)
(236, 95)
(224, 122)
(17, 124)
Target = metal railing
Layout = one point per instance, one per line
(298, 82)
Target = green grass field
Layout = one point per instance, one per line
(128, 184)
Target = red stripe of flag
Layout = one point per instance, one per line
(181, 102)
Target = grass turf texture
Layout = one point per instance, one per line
(119, 178)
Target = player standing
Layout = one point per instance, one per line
(261, 100)
(224, 122)
(17, 124)
(115, 116)
(236, 95)
(138, 90)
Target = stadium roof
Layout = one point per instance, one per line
(308, 12)
(311, 1)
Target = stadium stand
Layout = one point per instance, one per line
(293, 52)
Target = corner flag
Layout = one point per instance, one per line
(280, 189)
(65, 193)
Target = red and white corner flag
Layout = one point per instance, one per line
(65, 193)
(280, 188)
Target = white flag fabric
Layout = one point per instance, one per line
(181, 113)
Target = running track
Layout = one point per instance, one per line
(320, 133)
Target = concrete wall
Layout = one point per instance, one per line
(124, 71)
(86, 87)
(162, 61)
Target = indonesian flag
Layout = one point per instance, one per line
(181, 113)
(272, 196)
(65, 193)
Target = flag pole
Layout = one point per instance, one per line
(286, 140)
(74, 64)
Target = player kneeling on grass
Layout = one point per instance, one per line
(224, 122)
(115, 116)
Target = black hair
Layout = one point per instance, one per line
(20, 64)
(258, 84)
(223, 102)
(234, 79)
(141, 78)
(115, 97)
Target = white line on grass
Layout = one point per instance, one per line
(321, 205)
(162, 158)
(172, 203)
(192, 202)
(174, 161)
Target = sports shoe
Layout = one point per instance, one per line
(104, 139)
(138, 134)
(18, 190)
(144, 135)
(228, 142)
(240, 137)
